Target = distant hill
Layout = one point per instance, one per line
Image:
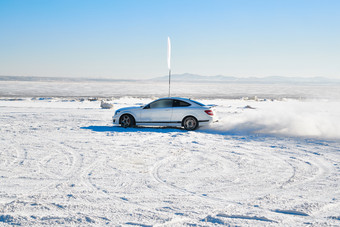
(193, 78)
(187, 77)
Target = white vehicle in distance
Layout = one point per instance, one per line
(175, 111)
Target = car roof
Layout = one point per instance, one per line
(179, 98)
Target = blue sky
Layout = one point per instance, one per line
(127, 39)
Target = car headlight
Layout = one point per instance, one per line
(117, 111)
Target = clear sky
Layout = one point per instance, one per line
(128, 38)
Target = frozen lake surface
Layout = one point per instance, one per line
(147, 89)
(63, 162)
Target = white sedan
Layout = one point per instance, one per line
(180, 112)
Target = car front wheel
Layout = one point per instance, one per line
(190, 123)
(126, 121)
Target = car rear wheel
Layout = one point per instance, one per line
(127, 121)
(190, 123)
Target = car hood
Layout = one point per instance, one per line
(128, 108)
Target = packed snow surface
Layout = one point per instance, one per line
(264, 163)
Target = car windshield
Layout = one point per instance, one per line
(198, 103)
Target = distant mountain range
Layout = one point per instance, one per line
(187, 77)
(193, 78)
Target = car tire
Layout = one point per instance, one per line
(190, 123)
(126, 121)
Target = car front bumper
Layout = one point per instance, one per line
(115, 119)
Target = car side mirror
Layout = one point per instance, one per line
(147, 107)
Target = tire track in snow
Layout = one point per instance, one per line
(155, 173)
(303, 171)
(307, 167)
(43, 168)
(8, 158)
(87, 176)
(71, 166)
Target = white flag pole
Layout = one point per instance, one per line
(169, 59)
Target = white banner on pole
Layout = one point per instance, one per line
(169, 53)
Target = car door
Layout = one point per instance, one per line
(157, 112)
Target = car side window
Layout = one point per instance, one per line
(164, 103)
(178, 103)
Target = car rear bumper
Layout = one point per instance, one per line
(207, 122)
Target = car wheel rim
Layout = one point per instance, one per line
(125, 121)
(190, 123)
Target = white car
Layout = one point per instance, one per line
(180, 112)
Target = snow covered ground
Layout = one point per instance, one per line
(264, 163)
